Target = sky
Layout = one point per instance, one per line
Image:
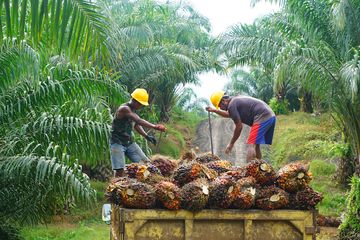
(222, 14)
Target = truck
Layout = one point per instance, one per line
(210, 224)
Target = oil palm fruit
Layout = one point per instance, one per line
(245, 198)
(294, 177)
(305, 199)
(187, 156)
(140, 171)
(112, 191)
(261, 171)
(165, 164)
(168, 194)
(195, 195)
(234, 174)
(190, 171)
(222, 193)
(207, 157)
(271, 197)
(138, 195)
(219, 166)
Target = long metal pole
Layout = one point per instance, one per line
(211, 141)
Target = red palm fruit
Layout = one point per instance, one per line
(195, 195)
(168, 194)
(165, 164)
(190, 171)
(271, 197)
(138, 195)
(245, 198)
(305, 199)
(219, 166)
(262, 171)
(207, 157)
(222, 193)
(294, 177)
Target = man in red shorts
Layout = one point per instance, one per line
(250, 111)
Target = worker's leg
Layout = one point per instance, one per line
(251, 152)
(260, 133)
(258, 151)
(135, 154)
(117, 155)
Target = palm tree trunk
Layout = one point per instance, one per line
(306, 102)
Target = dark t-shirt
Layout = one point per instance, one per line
(249, 110)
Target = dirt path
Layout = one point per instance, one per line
(222, 129)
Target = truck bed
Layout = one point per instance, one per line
(229, 224)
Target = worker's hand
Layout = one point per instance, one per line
(160, 127)
(229, 148)
(210, 109)
(151, 139)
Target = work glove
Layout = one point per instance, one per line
(151, 139)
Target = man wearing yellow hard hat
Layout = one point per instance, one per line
(250, 111)
(122, 143)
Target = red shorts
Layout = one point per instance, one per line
(262, 133)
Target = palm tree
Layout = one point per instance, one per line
(54, 114)
(315, 44)
(75, 27)
(255, 83)
(158, 46)
(51, 120)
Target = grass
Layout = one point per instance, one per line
(64, 231)
(314, 140)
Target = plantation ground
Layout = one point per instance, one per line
(298, 137)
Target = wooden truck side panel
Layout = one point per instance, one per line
(141, 224)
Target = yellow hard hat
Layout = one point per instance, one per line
(216, 97)
(141, 96)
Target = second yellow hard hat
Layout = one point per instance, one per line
(216, 97)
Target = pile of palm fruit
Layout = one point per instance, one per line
(205, 181)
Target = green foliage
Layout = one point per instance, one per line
(255, 83)
(82, 231)
(158, 46)
(352, 220)
(279, 107)
(322, 168)
(309, 137)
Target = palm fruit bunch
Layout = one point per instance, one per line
(261, 171)
(245, 198)
(138, 195)
(153, 179)
(207, 157)
(271, 197)
(140, 171)
(187, 156)
(165, 164)
(113, 191)
(294, 177)
(195, 195)
(190, 171)
(305, 199)
(234, 174)
(222, 193)
(168, 194)
(219, 166)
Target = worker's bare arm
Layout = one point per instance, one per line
(140, 130)
(125, 111)
(218, 111)
(236, 134)
(237, 131)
